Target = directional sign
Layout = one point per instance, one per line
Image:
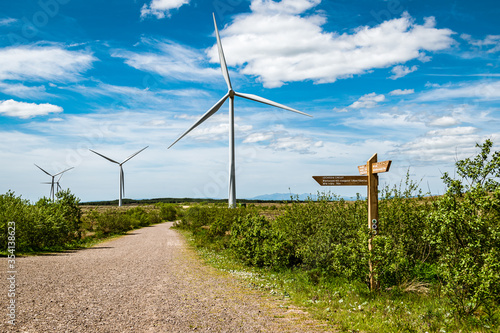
(377, 167)
(342, 180)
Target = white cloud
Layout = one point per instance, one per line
(284, 6)
(259, 137)
(161, 8)
(23, 91)
(483, 90)
(367, 101)
(281, 139)
(173, 62)
(218, 132)
(277, 45)
(7, 21)
(43, 63)
(491, 42)
(24, 110)
(444, 121)
(136, 98)
(156, 123)
(400, 71)
(400, 92)
(446, 145)
(298, 143)
(396, 122)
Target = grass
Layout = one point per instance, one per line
(350, 307)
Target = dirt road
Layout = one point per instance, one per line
(147, 281)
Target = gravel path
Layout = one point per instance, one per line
(147, 281)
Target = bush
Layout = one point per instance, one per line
(17, 210)
(41, 226)
(256, 242)
(168, 211)
(465, 230)
(401, 251)
(113, 222)
(329, 235)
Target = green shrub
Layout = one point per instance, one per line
(112, 222)
(18, 210)
(401, 251)
(168, 211)
(256, 242)
(465, 230)
(138, 217)
(41, 226)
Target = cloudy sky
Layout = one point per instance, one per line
(417, 82)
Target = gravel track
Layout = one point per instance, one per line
(146, 281)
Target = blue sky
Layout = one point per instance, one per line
(417, 82)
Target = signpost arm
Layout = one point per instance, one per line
(372, 213)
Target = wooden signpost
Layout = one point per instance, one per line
(368, 177)
(341, 180)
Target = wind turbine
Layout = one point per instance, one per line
(230, 94)
(52, 192)
(122, 178)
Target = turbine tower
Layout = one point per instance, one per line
(122, 178)
(52, 192)
(230, 94)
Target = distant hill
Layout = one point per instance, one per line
(275, 197)
(284, 196)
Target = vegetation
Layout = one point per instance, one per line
(436, 258)
(59, 225)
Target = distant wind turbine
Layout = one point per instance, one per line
(52, 190)
(122, 177)
(230, 94)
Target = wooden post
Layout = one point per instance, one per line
(373, 224)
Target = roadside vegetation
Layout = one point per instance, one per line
(436, 258)
(63, 224)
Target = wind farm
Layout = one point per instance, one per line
(279, 194)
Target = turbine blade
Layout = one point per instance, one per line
(59, 188)
(43, 170)
(128, 158)
(207, 115)
(122, 181)
(222, 59)
(104, 156)
(269, 102)
(60, 173)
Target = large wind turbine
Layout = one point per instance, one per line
(52, 190)
(230, 94)
(122, 178)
